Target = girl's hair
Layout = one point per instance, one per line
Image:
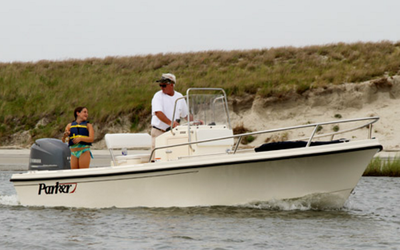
(78, 109)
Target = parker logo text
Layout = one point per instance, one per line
(59, 188)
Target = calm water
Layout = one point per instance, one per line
(369, 220)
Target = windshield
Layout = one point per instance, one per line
(211, 109)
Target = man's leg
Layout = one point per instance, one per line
(154, 134)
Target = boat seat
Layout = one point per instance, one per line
(132, 159)
(129, 141)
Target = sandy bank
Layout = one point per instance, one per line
(346, 101)
(376, 98)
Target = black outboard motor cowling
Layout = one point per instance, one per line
(49, 154)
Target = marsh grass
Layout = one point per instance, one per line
(240, 129)
(116, 86)
(382, 167)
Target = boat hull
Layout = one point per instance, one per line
(223, 180)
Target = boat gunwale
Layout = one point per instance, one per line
(196, 165)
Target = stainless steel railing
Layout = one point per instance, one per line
(313, 135)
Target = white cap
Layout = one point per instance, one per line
(166, 77)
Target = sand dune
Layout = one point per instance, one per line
(376, 98)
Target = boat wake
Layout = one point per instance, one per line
(309, 202)
(9, 200)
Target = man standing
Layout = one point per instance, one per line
(162, 107)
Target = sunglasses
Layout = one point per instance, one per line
(163, 85)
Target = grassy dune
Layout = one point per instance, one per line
(117, 86)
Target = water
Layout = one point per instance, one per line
(369, 220)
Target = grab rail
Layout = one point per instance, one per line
(312, 136)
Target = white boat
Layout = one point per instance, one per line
(203, 165)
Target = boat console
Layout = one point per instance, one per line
(208, 121)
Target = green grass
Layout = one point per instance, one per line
(117, 86)
(381, 167)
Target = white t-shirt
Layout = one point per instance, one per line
(165, 103)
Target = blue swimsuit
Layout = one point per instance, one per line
(78, 153)
(79, 130)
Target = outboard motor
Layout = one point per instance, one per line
(49, 154)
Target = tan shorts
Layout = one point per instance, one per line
(154, 134)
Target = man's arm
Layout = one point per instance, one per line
(165, 119)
